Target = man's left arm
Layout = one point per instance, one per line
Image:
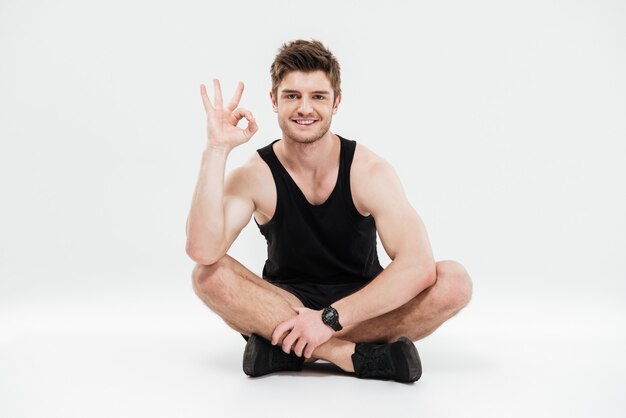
(412, 269)
(405, 240)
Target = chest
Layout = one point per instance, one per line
(316, 190)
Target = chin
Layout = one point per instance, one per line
(309, 139)
(304, 137)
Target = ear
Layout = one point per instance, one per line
(274, 103)
(336, 104)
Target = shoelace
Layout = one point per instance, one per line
(377, 362)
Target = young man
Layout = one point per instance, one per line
(319, 200)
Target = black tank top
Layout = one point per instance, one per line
(324, 246)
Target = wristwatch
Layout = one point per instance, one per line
(330, 317)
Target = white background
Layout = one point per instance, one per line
(504, 120)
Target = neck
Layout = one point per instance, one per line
(313, 157)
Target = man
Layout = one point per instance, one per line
(319, 200)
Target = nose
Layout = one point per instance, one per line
(305, 107)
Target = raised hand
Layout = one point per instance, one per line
(222, 121)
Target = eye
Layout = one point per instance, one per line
(319, 97)
(291, 96)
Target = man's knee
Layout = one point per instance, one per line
(457, 284)
(209, 282)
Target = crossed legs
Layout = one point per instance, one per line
(249, 304)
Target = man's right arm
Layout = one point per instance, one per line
(219, 211)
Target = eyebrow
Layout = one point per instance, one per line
(315, 92)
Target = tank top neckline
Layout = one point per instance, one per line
(294, 184)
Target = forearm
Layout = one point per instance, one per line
(400, 282)
(205, 224)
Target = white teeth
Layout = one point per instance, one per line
(304, 122)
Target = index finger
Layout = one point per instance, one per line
(281, 329)
(234, 102)
(205, 98)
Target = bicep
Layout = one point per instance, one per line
(400, 228)
(237, 214)
(238, 205)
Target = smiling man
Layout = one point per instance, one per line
(319, 199)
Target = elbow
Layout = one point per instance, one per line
(425, 278)
(201, 255)
(429, 277)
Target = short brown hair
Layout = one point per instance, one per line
(305, 56)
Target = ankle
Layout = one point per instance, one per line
(344, 357)
(338, 352)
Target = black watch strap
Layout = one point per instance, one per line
(330, 317)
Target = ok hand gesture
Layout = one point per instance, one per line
(222, 121)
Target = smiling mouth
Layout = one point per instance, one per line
(305, 122)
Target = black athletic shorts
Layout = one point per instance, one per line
(319, 295)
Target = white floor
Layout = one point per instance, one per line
(163, 354)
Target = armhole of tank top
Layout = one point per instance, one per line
(277, 210)
(347, 194)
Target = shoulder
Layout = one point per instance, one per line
(367, 166)
(253, 172)
(372, 178)
(252, 179)
(366, 161)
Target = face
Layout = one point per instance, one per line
(305, 106)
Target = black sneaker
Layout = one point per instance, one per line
(398, 361)
(261, 357)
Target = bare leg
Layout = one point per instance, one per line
(417, 319)
(249, 304)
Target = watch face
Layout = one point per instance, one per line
(329, 316)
